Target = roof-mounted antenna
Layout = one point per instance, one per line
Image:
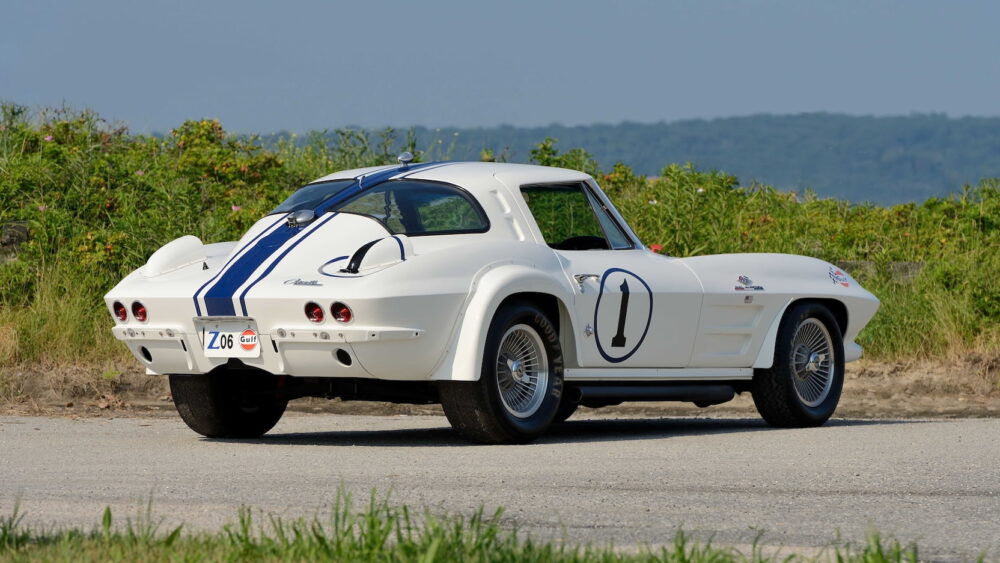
(405, 159)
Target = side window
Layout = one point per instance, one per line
(570, 219)
(615, 235)
(414, 208)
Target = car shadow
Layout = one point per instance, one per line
(615, 430)
(572, 431)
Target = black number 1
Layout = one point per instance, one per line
(619, 339)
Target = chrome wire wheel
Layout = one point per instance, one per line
(812, 362)
(522, 371)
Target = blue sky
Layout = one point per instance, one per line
(300, 65)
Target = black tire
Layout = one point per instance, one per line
(228, 403)
(477, 409)
(793, 393)
(565, 410)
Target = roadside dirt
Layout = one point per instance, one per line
(970, 388)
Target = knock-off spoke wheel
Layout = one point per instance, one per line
(802, 388)
(522, 371)
(812, 362)
(520, 383)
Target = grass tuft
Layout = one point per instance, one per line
(378, 531)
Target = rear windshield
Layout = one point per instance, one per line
(416, 207)
(311, 196)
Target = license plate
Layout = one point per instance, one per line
(230, 339)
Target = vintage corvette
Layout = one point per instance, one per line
(511, 294)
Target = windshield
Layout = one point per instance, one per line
(311, 196)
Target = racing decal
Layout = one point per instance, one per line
(248, 339)
(744, 283)
(300, 281)
(265, 247)
(622, 315)
(839, 277)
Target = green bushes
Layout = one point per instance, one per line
(98, 201)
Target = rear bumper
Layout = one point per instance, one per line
(302, 351)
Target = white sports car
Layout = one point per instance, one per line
(509, 293)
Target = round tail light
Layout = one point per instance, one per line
(139, 311)
(341, 313)
(121, 313)
(314, 313)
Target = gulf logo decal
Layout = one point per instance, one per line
(622, 315)
(248, 339)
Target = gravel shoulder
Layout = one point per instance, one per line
(871, 390)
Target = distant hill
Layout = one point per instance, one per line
(880, 159)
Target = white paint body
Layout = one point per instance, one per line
(425, 317)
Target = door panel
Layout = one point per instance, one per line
(632, 308)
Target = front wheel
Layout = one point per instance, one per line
(228, 403)
(520, 384)
(802, 387)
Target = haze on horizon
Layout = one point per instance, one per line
(303, 65)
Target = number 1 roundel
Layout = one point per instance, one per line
(622, 315)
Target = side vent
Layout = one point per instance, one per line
(354, 264)
(378, 254)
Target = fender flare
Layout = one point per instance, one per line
(464, 358)
(765, 356)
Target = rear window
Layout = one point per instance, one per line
(311, 196)
(416, 207)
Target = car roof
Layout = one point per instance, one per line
(470, 175)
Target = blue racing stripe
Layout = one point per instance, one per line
(219, 297)
(197, 306)
(243, 303)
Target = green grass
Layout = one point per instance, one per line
(99, 200)
(378, 531)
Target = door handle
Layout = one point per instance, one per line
(580, 278)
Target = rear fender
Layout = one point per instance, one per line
(494, 284)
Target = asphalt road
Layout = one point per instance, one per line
(627, 481)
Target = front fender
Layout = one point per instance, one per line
(495, 283)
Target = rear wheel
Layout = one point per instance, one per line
(802, 387)
(228, 403)
(520, 384)
(565, 410)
